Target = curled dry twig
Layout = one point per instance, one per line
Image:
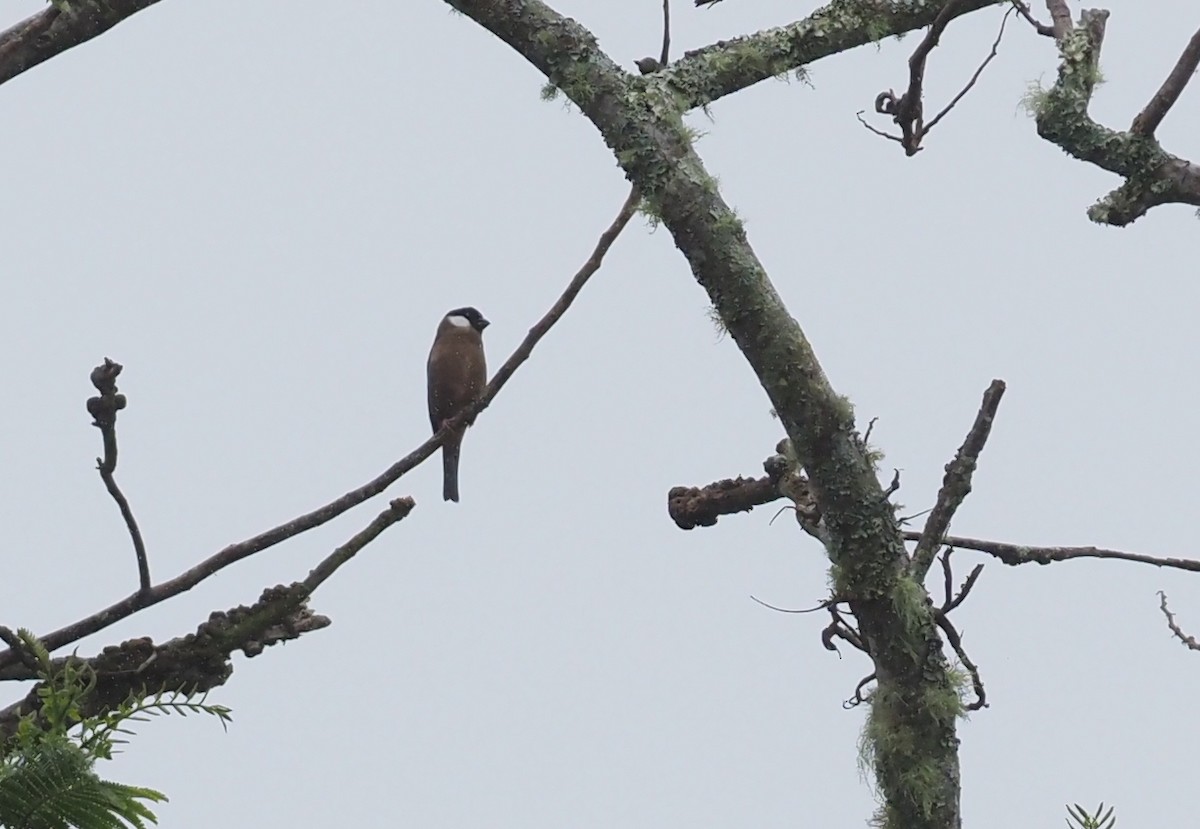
(907, 109)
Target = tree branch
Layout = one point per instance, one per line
(991, 55)
(1039, 27)
(691, 507)
(397, 510)
(1189, 641)
(640, 120)
(908, 110)
(956, 485)
(200, 661)
(665, 56)
(1149, 118)
(58, 28)
(103, 410)
(236, 552)
(705, 75)
(1015, 554)
(1060, 17)
(1152, 175)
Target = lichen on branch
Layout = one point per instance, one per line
(1152, 175)
(704, 75)
(641, 120)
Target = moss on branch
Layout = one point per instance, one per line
(1152, 175)
(641, 120)
(704, 75)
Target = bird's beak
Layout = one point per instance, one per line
(483, 323)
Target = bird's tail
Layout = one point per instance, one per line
(450, 469)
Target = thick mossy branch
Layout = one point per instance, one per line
(640, 119)
(704, 75)
(189, 664)
(1152, 175)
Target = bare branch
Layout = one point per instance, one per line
(1149, 118)
(200, 661)
(908, 110)
(236, 552)
(894, 486)
(58, 28)
(103, 410)
(974, 78)
(879, 107)
(859, 698)
(1186, 639)
(955, 640)
(665, 56)
(1015, 554)
(965, 590)
(691, 507)
(397, 510)
(821, 606)
(1039, 27)
(543, 326)
(839, 628)
(956, 485)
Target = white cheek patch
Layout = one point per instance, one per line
(459, 321)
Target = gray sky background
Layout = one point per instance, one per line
(262, 210)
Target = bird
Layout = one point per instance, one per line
(457, 373)
(648, 65)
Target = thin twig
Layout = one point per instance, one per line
(866, 438)
(821, 606)
(904, 519)
(859, 115)
(841, 629)
(103, 410)
(955, 640)
(1148, 119)
(858, 698)
(908, 110)
(947, 578)
(893, 486)
(396, 511)
(1041, 28)
(1015, 554)
(965, 590)
(962, 93)
(956, 485)
(236, 552)
(1190, 641)
(666, 43)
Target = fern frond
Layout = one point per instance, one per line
(53, 787)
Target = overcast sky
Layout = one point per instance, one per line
(263, 209)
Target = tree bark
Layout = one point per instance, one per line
(911, 738)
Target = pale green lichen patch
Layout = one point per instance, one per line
(1063, 119)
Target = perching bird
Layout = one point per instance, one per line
(457, 375)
